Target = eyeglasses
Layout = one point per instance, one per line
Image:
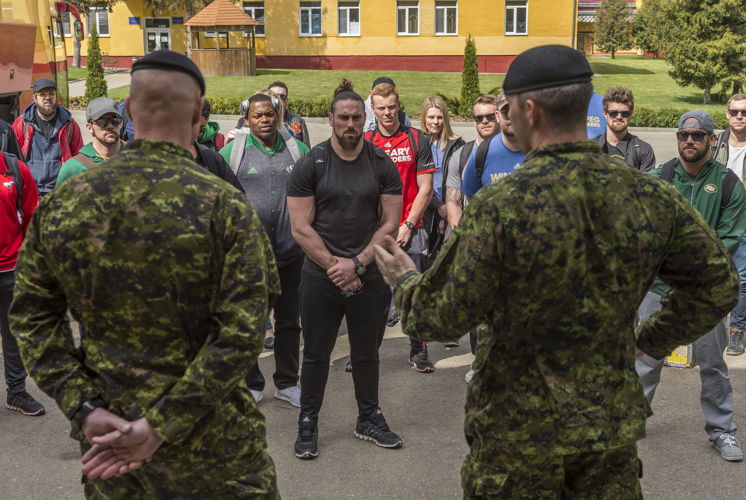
(696, 136)
(491, 117)
(735, 112)
(104, 122)
(623, 114)
(47, 93)
(504, 110)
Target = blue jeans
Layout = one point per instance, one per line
(738, 316)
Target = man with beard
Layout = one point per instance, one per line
(720, 197)
(263, 160)
(344, 197)
(47, 134)
(104, 123)
(618, 105)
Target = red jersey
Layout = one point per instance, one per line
(11, 231)
(412, 156)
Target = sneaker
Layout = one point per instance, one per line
(257, 395)
(469, 376)
(348, 366)
(374, 428)
(729, 447)
(307, 446)
(393, 318)
(452, 344)
(269, 343)
(419, 360)
(23, 402)
(735, 343)
(290, 394)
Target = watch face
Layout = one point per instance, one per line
(360, 269)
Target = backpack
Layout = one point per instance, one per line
(729, 182)
(239, 146)
(15, 173)
(84, 160)
(464, 157)
(481, 157)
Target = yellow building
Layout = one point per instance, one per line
(426, 35)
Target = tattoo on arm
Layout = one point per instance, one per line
(453, 195)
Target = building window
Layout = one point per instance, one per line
(446, 17)
(256, 11)
(349, 18)
(516, 17)
(407, 17)
(66, 28)
(99, 16)
(211, 34)
(310, 18)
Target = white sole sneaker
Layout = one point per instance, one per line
(291, 395)
(257, 395)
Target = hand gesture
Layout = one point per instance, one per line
(392, 261)
(342, 272)
(405, 234)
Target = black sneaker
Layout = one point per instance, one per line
(306, 446)
(393, 318)
(269, 343)
(23, 402)
(419, 359)
(374, 428)
(348, 366)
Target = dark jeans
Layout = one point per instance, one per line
(322, 309)
(15, 374)
(287, 331)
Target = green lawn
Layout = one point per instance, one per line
(648, 79)
(74, 73)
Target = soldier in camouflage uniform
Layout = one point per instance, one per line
(171, 274)
(555, 259)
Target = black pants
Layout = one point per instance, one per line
(287, 331)
(322, 309)
(15, 374)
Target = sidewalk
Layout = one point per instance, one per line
(113, 80)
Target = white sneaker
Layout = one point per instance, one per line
(729, 448)
(469, 376)
(257, 395)
(290, 394)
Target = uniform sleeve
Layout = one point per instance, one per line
(249, 284)
(425, 163)
(453, 172)
(38, 320)
(471, 183)
(703, 279)
(732, 221)
(300, 181)
(647, 162)
(460, 288)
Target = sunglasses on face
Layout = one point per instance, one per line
(623, 114)
(104, 122)
(505, 110)
(48, 93)
(491, 117)
(735, 112)
(696, 136)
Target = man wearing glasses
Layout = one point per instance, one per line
(618, 105)
(47, 134)
(709, 186)
(104, 123)
(730, 150)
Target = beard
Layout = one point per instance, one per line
(617, 127)
(47, 111)
(692, 156)
(348, 143)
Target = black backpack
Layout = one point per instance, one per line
(464, 157)
(15, 173)
(481, 157)
(729, 182)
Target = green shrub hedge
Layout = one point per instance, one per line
(667, 117)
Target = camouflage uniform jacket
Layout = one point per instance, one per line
(171, 274)
(555, 259)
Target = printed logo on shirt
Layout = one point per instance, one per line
(8, 185)
(387, 145)
(289, 169)
(711, 188)
(399, 154)
(252, 170)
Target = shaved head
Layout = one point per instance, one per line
(164, 105)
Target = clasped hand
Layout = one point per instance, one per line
(344, 276)
(119, 446)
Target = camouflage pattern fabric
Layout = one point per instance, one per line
(171, 274)
(554, 259)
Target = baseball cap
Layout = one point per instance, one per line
(704, 121)
(44, 83)
(100, 107)
(501, 100)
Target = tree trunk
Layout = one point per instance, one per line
(189, 15)
(613, 56)
(76, 52)
(707, 95)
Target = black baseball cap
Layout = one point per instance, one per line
(44, 83)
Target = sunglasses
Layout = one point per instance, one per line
(696, 136)
(735, 112)
(104, 122)
(491, 117)
(623, 114)
(48, 93)
(505, 110)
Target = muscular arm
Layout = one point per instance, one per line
(302, 212)
(391, 208)
(453, 206)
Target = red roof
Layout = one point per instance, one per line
(221, 13)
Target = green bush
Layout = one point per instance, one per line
(95, 83)
(667, 117)
(79, 102)
(469, 78)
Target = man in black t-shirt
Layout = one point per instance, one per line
(343, 197)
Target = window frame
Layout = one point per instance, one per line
(67, 27)
(306, 6)
(407, 8)
(93, 14)
(252, 6)
(347, 6)
(514, 9)
(445, 9)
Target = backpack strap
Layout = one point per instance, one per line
(15, 173)
(239, 144)
(667, 170)
(84, 160)
(729, 183)
(291, 144)
(464, 157)
(481, 157)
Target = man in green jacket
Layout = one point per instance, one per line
(703, 182)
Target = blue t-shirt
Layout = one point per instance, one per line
(500, 162)
(596, 122)
(438, 174)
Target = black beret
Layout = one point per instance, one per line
(171, 61)
(544, 67)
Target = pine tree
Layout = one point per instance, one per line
(651, 26)
(95, 84)
(613, 26)
(469, 78)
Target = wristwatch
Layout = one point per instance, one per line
(85, 409)
(409, 225)
(359, 267)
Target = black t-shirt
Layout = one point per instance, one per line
(47, 126)
(347, 197)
